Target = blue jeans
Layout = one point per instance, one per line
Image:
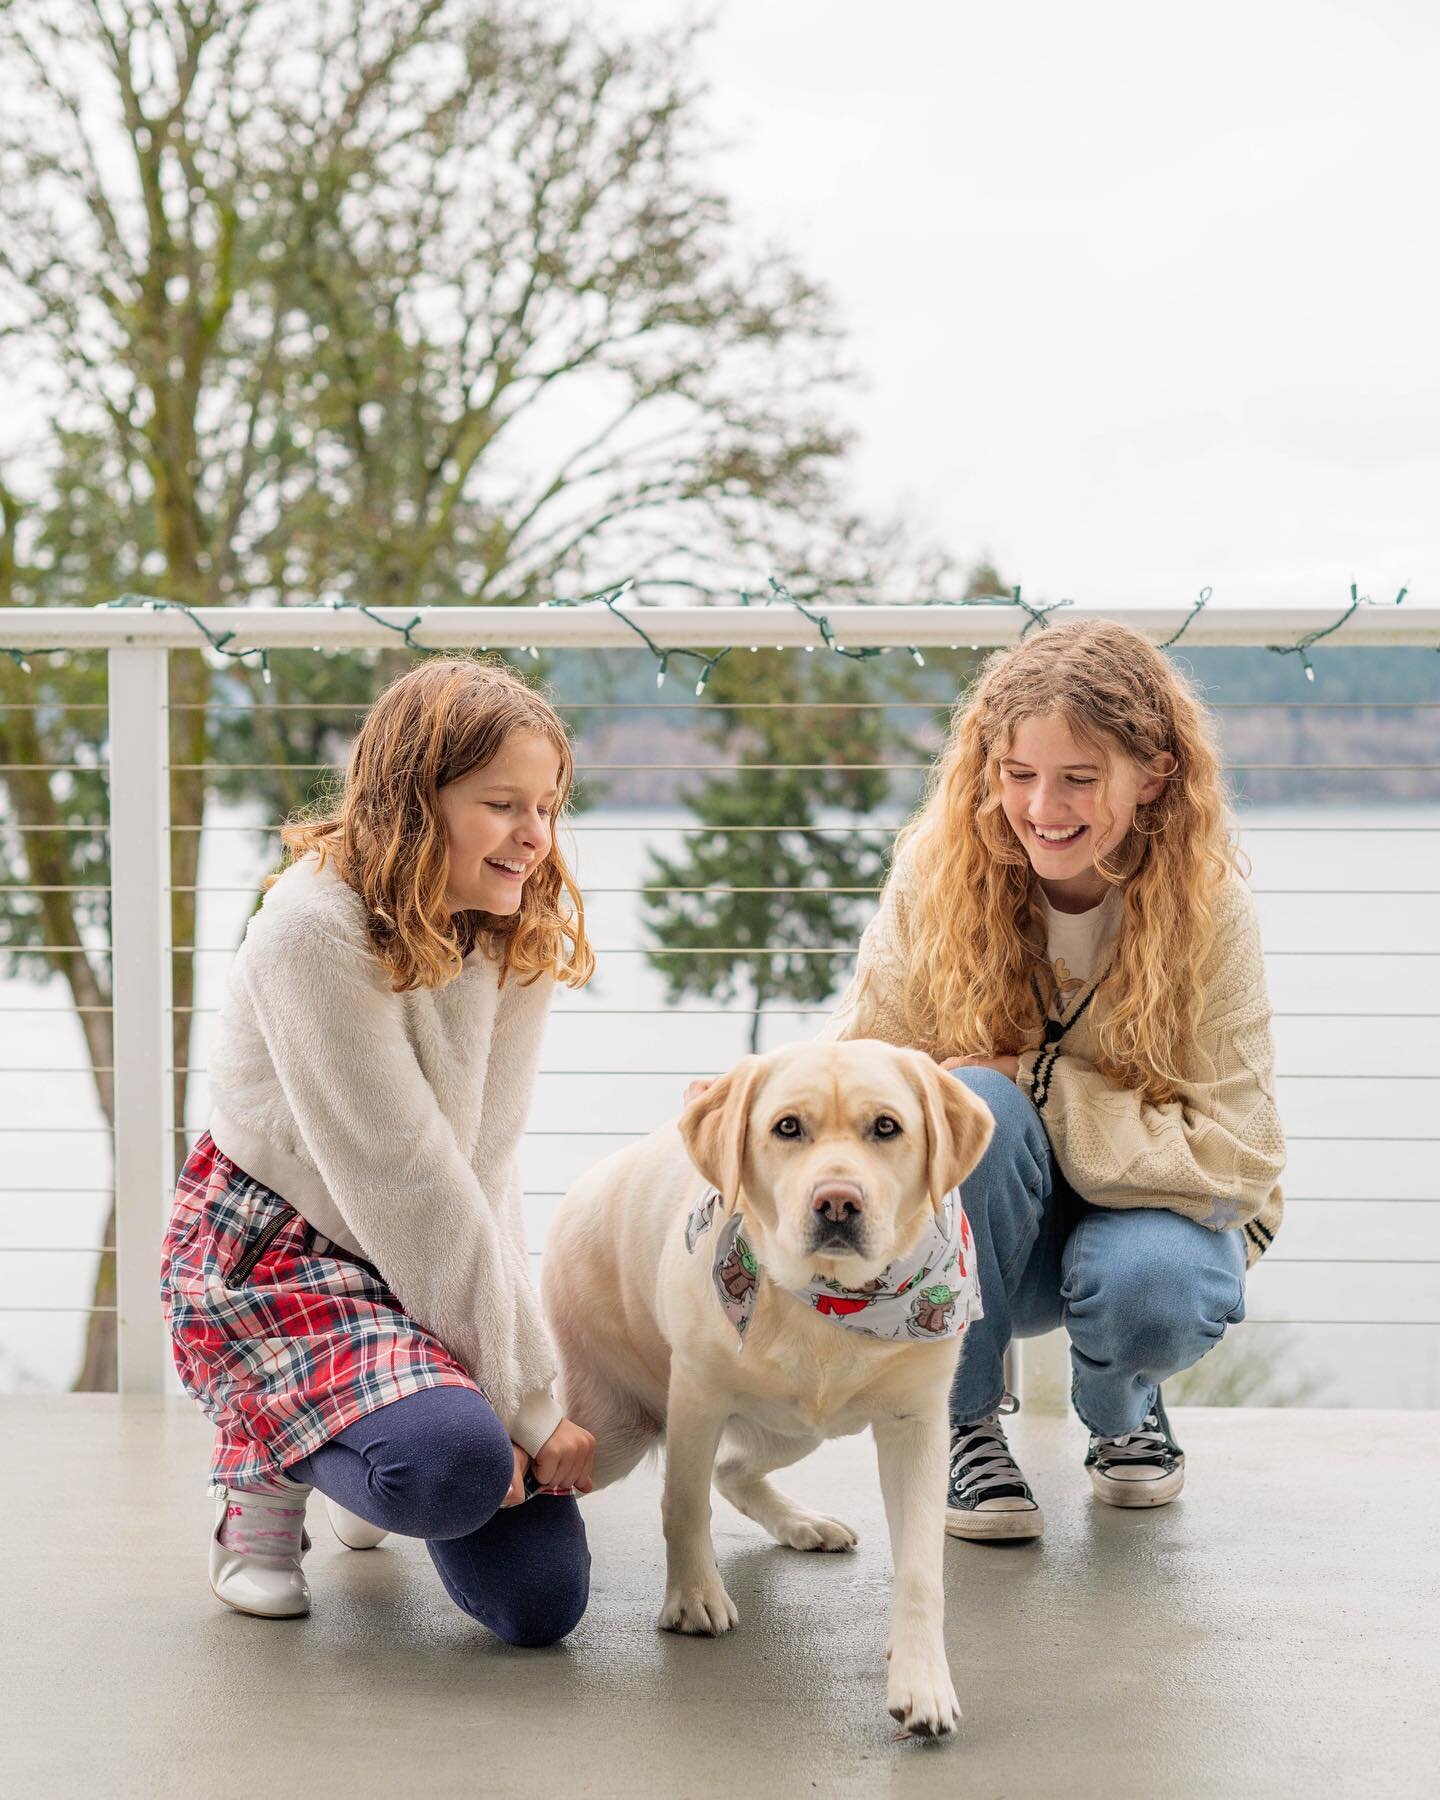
(436, 1465)
(1143, 1293)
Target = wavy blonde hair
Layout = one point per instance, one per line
(979, 982)
(385, 832)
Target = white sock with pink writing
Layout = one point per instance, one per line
(264, 1520)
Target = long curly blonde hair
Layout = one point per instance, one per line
(386, 834)
(979, 982)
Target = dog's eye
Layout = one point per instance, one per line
(886, 1127)
(788, 1127)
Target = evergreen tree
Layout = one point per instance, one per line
(773, 889)
(823, 742)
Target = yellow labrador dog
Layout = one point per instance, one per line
(811, 1279)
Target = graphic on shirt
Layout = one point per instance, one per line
(739, 1274)
(931, 1311)
(932, 1293)
(1066, 985)
(836, 1301)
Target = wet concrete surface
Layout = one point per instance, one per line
(1272, 1633)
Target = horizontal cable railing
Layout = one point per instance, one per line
(1371, 1003)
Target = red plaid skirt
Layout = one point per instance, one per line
(283, 1337)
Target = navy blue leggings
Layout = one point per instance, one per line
(436, 1465)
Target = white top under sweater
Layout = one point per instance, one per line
(392, 1124)
(1076, 944)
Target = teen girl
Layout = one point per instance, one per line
(345, 1273)
(1066, 928)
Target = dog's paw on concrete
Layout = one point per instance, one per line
(814, 1531)
(922, 1697)
(699, 1609)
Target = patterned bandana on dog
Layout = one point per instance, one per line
(934, 1293)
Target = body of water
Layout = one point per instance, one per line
(1360, 1091)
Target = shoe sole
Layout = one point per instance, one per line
(1138, 1493)
(250, 1613)
(992, 1527)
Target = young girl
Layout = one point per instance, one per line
(1065, 927)
(345, 1273)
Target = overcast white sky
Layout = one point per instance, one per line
(1147, 296)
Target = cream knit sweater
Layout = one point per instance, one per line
(1214, 1155)
(392, 1124)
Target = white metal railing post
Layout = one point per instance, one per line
(140, 961)
(1041, 1373)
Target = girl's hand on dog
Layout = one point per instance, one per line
(698, 1086)
(1008, 1066)
(515, 1495)
(567, 1458)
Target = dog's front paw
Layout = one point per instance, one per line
(815, 1531)
(922, 1696)
(698, 1608)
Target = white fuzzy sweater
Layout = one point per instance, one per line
(392, 1123)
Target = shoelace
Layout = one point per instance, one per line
(1147, 1445)
(982, 1460)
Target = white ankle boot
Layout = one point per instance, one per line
(268, 1586)
(353, 1532)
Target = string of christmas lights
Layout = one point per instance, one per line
(1038, 615)
(217, 641)
(1302, 645)
(1190, 617)
(610, 598)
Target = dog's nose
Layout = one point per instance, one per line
(838, 1201)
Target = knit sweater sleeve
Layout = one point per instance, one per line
(1213, 1155)
(514, 1048)
(872, 1005)
(389, 1158)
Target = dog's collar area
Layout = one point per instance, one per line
(929, 1295)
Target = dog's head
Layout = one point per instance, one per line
(837, 1153)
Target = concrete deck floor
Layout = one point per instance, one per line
(1272, 1633)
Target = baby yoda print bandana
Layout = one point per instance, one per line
(932, 1293)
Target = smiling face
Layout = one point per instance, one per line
(1051, 795)
(499, 824)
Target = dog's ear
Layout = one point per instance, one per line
(714, 1125)
(957, 1123)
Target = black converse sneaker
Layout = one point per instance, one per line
(1144, 1468)
(988, 1496)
